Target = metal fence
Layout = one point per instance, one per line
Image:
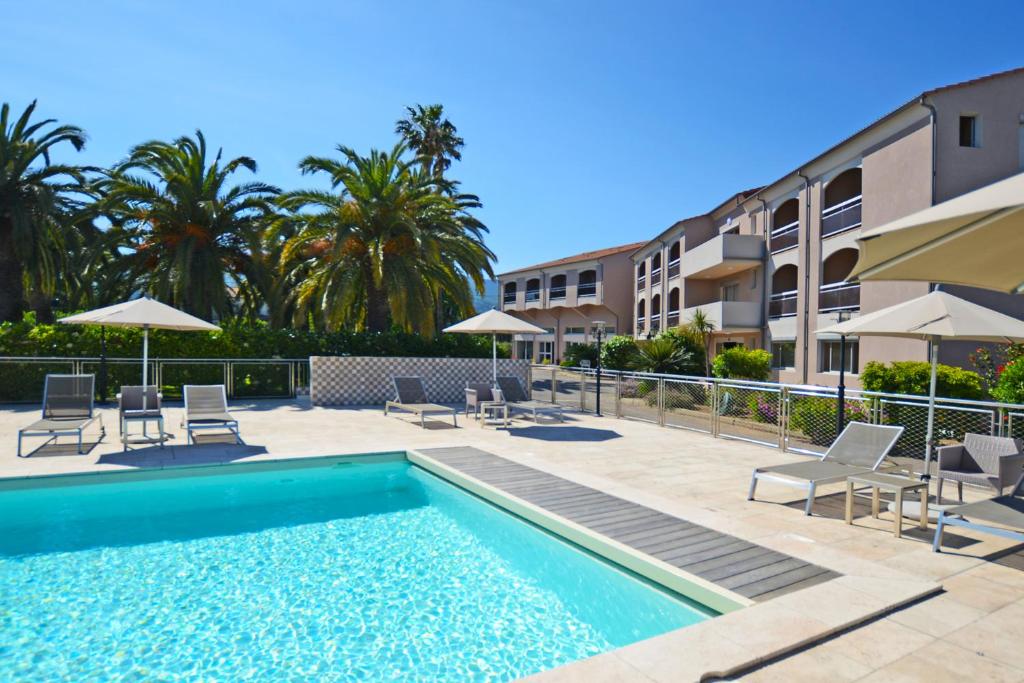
(22, 377)
(790, 417)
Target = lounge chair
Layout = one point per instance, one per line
(517, 399)
(410, 396)
(994, 461)
(67, 409)
(477, 393)
(860, 448)
(132, 408)
(1001, 516)
(206, 407)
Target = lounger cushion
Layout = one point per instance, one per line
(210, 417)
(57, 425)
(422, 407)
(1004, 511)
(815, 471)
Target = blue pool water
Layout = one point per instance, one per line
(368, 571)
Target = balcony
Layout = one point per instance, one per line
(782, 305)
(532, 295)
(841, 217)
(723, 256)
(839, 296)
(730, 315)
(785, 237)
(673, 269)
(673, 319)
(640, 321)
(641, 283)
(589, 289)
(556, 293)
(656, 276)
(655, 323)
(509, 298)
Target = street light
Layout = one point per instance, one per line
(599, 324)
(841, 316)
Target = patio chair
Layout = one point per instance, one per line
(67, 409)
(860, 448)
(518, 399)
(1001, 516)
(994, 461)
(132, 408)
(410, 396)
(206, 407)
(477, 393)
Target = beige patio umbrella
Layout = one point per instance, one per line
(147, 314)
(494, 323)
(975, 239)
(933, 317)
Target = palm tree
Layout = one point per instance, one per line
(34, 195)
(431, 136)
(384, 245)
(703, 327)
(190, 231)
(663, 355)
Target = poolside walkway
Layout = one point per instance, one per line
(973, 630)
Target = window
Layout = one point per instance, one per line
(731, 292)
(574, 330)
(545, 351)
(784, 354)
(831, 358)
(969, 131)
(524, 349)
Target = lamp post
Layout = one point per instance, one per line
(841, 316)
(599, 324)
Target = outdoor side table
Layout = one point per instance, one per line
(498, 409)
(888, 482)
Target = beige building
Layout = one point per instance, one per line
(566, 296)
(769, 266)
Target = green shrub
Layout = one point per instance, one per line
(576, 353)
(689, 340)
(619, 353)
(763, 406)
(742, 363)
(1009, 386)
(913, 377)
(663, 355)
(816, 417)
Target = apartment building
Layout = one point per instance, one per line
(770, 266)
(566, 296)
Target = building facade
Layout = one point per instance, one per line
(566, 297)
(769, 266)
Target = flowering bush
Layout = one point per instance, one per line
(816, 417)
(1009, 386)
(764, 407)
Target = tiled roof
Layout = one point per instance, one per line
(585, 256)
(973, 81)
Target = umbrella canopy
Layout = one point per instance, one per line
(495, 323)
(144, 312)
(933, 317)
(975, 239)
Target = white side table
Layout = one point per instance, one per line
(496, 409)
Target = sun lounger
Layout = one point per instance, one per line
(206, 407)
(132, 408)
(410, 396)
(518, 400)
(1001, 516)
(67, 409)
(860, 448)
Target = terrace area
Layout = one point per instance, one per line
(972, 627)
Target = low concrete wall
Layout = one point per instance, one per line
(366, 380)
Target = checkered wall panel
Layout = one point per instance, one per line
(366, 380)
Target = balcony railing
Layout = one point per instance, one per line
(587, 289)
(841, 217)
(785, 237)
(557, 293)
(782, 304)
(656, 322)
(532, 295)
(640, 320)
(673, 319)
(509, 298)
(673, 269)
(839, 296)
(656, 276)
(641, 283)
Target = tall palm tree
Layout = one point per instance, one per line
(384, 245)
(431, 136)
(703, 327)
(34, 195)
(189, 229)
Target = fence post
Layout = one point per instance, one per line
(554, 385)
(229, 379)
(618, 394)
(782, 417)
(661, 401)
(714, 408)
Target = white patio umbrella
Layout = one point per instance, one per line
(147, 314)
(494, 323)
(933, 317)
(975, 239)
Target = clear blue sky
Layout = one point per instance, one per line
(587, 124)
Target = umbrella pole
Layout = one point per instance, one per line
(929, 434)
(145, 370)
(494, 359)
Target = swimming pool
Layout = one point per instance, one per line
(339, 569)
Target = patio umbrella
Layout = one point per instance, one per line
(933, 317)
(494, 323)
(975, 239)
(147, 314)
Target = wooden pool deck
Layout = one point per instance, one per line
(752, 571)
